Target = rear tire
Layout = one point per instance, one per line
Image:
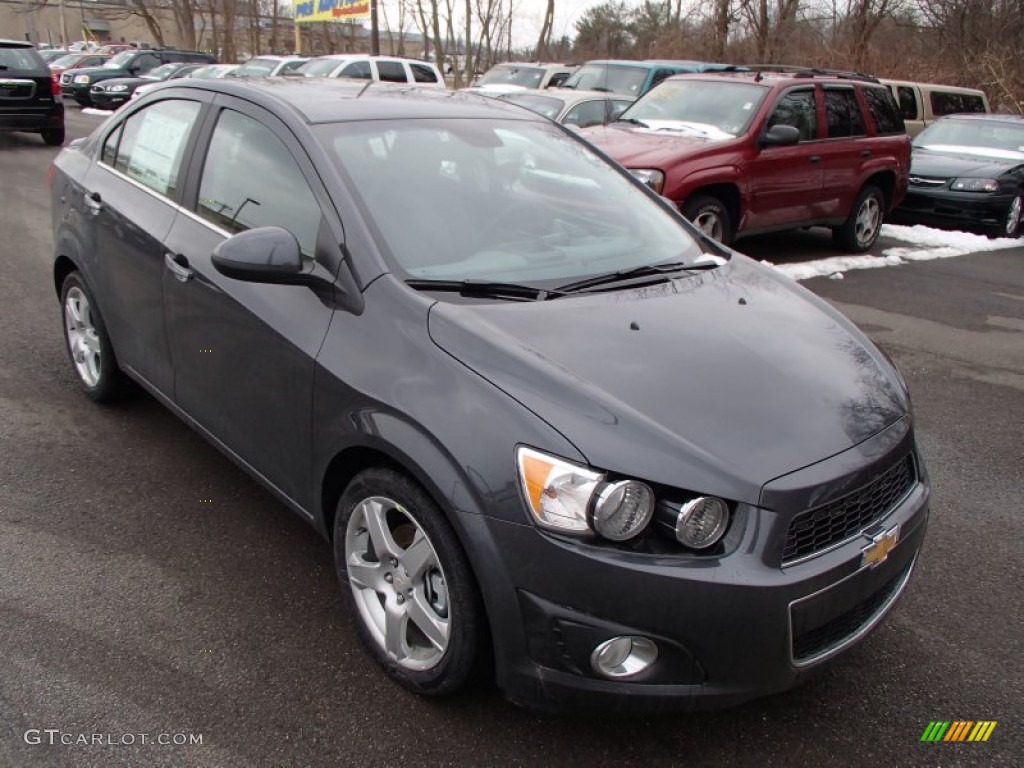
(87, 343)
(407, 582)
(710, 216)
(861, 229)
(54, 137)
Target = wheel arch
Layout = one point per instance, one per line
(886, 182)
(62, 267)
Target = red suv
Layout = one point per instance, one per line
(767, 149)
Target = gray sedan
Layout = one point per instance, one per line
(579, 108)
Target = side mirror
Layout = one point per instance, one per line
(261, 255)
(780, 136)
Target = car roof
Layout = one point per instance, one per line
(15, 43)
(316, 100)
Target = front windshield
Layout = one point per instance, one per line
(501, 200)
(319, 67)
(256, 68)
(710, 109)
(162, 72)
(527, 77)
(547, 106)
(617, 78)
(984, 138)
(120, 61)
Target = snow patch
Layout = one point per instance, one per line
(96, 112)
(926, 244)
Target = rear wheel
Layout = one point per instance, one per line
(87, 342)
(710, 216)
(54, 137)
(860, 230)
(405, 575)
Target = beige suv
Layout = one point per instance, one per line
(921, 103)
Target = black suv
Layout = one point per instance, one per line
(78, 83)
(29, 98)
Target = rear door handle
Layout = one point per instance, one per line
(815, 158)
(178, 265)
(93, 201)
(865, 153)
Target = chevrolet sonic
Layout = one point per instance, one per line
(547, 426)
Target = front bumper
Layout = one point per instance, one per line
(105, 100)
(965, 211)
(728, 628)
(77, 91)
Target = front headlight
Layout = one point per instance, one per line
(652, 178)
(974, 185)
(569, 498)
(82, 79)
(118, 88)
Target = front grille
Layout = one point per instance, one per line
(927, 181)
(834, 633)
(65, 79)
(818, 529)
(17, 89)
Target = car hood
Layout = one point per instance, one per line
(100, 72)
(716, 383)
(639, 147)
(930, 163)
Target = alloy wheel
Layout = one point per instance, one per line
(710, 223)
(83, 338)
(869, 219)
(399, 586)
(1013, 216)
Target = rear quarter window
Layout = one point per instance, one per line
(945, 103)
(882, 104)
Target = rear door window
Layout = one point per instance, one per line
(391, 71)
(908, 102)
(151, 144)
(843, 113)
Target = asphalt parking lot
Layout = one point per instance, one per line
(150, 588)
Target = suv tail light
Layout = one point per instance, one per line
(55, 84)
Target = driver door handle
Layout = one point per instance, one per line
(178, 265)
(93, 201)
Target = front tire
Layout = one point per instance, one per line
(87, 342)
(1012, 222)
(710, 216)
(408, 583)
(861, 229)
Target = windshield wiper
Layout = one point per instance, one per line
(646, 270)
(487, 288)
(632, 121)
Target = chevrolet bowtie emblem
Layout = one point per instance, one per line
(881, 545)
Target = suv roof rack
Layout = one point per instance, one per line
(799, 71)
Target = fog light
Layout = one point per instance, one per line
(623, 656)
(702, 522)
(622, 510)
